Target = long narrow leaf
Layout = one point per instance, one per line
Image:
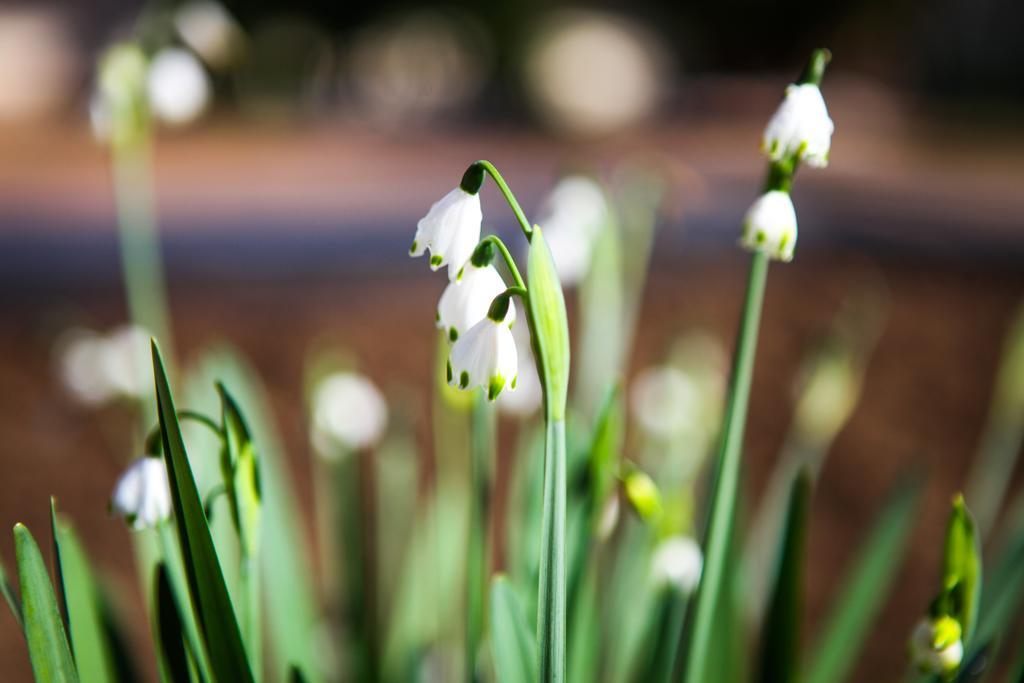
(11, 598)
(47, 643)
(170, 638)
(865, 588)
(514, 647)
(209, 593)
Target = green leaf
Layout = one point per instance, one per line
(170, 639)
(549, 325)
(11, 598)
(961, 570)
(605, 450)
(210, 601)
(93, 653)
(47, 644)
(780, 633)
(865, 588)
(514, 651)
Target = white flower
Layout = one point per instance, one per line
(800, 126)
(465, 302)
(485, 356)
(572, 217)
(349, 413)
(209, 29)
(666, 401)
(678, 562)
(177, 86)
(770, 225)
(527, 397)
(98, 368)
(142, 495)
(450, 230)
(936, 646)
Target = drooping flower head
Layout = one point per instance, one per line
(177, 86)
(678, 562)
(142, 495)
(349, 413)
(936, 645)
(800, 126)
(770, 225)
(465, 302)
(485, 356)
(450, 230)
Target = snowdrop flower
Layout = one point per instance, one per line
(98, 368)
(485, 356)
(465, 302)
(936, 646)
(677, 563)
(666, 401)
(349, 413)
(142, 495)
(800, 126)
(210, 30)
(770, 225)
(450, 230)
(573, 216)
(177, 86)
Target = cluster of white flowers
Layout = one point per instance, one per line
(98, 368)
(142, 495)
(936, 646)
(799, 131)
(348, 413)
(484, 351)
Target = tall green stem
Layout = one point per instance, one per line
(481, 454)
(552, 608)
(356, 549)
(723, 506)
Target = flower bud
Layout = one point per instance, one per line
(770, 226)
(936, 646)
(642, 493)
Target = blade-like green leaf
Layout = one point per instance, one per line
(865, 588)
(961, 571)
(515, 654)
(47, 644)
(549, 324)
(92, 652)
(10, 597)
(170, 639)
(208, 592)
(780, 633)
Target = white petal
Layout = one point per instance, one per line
(770, 225)
(349, 413)
(485, 356)
(142, 494)
(465, 303)
(678, 562)
(801, 125)
(450, 230)
(177, 86)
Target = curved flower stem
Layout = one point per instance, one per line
(507, 257)
(152, 444)
(474, 178)
(723, 504)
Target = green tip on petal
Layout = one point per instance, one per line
(453, 334)
(464, 380)
(412, 249)
(436, 260)
(448, 371)
(514, 381)
(495, 386)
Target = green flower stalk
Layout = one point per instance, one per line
(795, 133)
(486, 356)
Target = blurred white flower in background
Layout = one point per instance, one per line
(770, 226)
(38, 62)
(677, 562)
(209, 29)
(801, 126)
(666, 401)
(142, 495)
(98, 368)
(591, 73)
(572, 217)
(348, 413)
(527, 397)
(178, 87)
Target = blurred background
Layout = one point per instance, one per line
(299, 143)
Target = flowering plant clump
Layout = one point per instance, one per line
(624, 552)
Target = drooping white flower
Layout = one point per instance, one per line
(465, 302)
(936, 646)
(678, 562)
(665, 401)
(209, 29)
(527, 397)
(572, 218)
(450, 230)
(349, 413)
(770, 225)
(142, 495)
(177, 86)
(485, 356)
(800, 126)
(97, 368)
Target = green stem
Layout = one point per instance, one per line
(249, 589)
(551, 603)
(474, 178)
(509, 261)
(723, 506)
(357, 552)
(172, 560)
(481, 453)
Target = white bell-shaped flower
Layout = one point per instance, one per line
(800, 126)
(465, 302)
(349, 413)
(450, 230)
(142, 495)
(936, 646)
(485, 356)
(678, 563)
(178, 87)
(528, 396)
(770, 225)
